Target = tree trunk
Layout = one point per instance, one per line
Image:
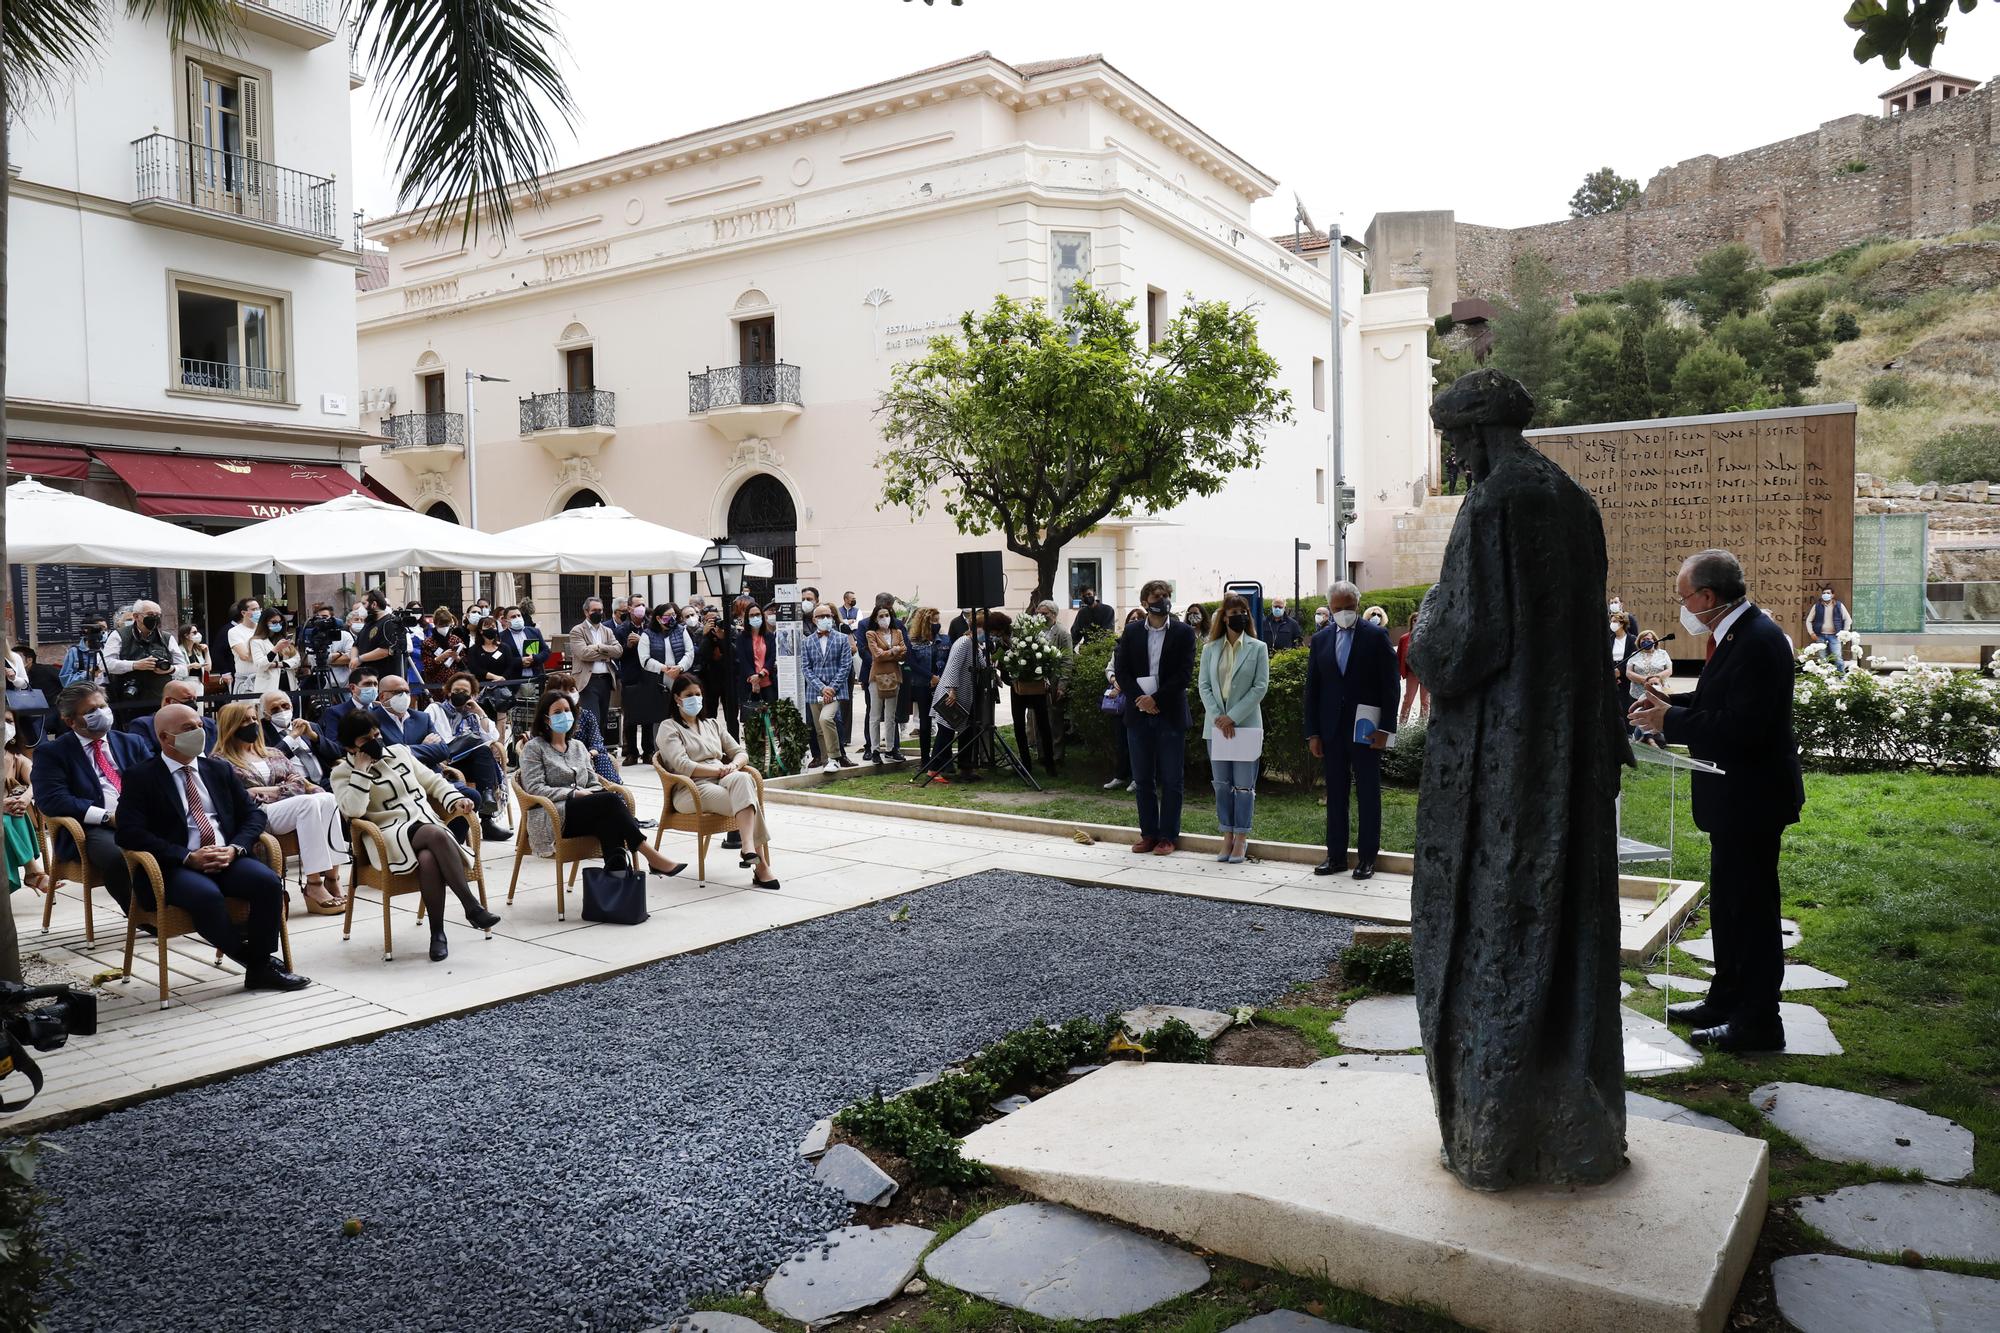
(1047, 557)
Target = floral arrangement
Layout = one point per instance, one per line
(1913, 715)
(1029, 658)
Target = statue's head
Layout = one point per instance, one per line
(1481, 413)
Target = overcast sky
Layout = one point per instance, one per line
(1494, 108)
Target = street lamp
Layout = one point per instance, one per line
(471, 434)
(722, 565)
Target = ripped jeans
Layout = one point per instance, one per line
(1235, 793)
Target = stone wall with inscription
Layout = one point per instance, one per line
(1776, 488)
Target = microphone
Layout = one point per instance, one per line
(1664, 638)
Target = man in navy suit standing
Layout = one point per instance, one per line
(1740, 719)
(1352, 664)
(196, 818)
(80, 774)
(1154, 664)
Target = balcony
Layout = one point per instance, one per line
(356, 76)
(184, 185)
(303, 23)
(424, 441)
(224, 380)
(745, 402)
(570, 424)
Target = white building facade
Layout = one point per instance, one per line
(181, 290)
(700, 330)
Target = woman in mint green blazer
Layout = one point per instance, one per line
(1235, 673)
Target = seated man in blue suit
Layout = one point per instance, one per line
(404, 724)
(196, 818)
(176, 692)
(363, 688)
(79, 774)
(1352, 664)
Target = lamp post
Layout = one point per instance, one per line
(1338, 470)
(722, 566)
(471, 458)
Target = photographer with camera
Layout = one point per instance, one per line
(384, 640)
(143, 658)
(84, 662)
(45, 1027)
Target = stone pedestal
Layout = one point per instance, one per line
(1337, 1171)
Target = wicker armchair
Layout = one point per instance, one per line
(571, 851)
(696, 821)
(80, 870)
(371, 870)
(169, 921)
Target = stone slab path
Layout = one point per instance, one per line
(1888, 1217)
(1289, 1321)
(1061, 1264)
(1374, 1064)
(857, 1267)
(1807, 1032)
(1845, 1126)
(1651, 1048)
(1208, 1024)
(1380, 1023)
(1652, 1108)
(1825, 1293)
(858, 1179)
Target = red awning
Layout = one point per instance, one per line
(34, 458)
(199, 485)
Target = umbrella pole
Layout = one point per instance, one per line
(34, 613)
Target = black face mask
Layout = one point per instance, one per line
(372, 747)
(596, 617)
(247, 732)
(150, 623)
(1238, 621)
(461, 698)
(1088, 600)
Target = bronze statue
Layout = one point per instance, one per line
(1515, 900)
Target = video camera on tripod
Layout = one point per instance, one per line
(46, 1028)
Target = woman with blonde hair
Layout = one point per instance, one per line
(1379, 616)
(291, 803)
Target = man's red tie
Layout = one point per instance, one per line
(204, 831)
(1709, 647)
(104, 767)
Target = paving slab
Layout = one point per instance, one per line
(715, 1321)
(1826, 1293)
(1380, 1023)
(1009, 1105)
(1288, 1321)
(1208, 1024)
(814, 1143)
(1681, 985)
(1807, 1032)
(1673, 1113)
(847, 1169)
(1292, 1169)
(1888, 1217)
(1060, 1264)
(1651, 1048)
(854, 1268)
(1704, 948)
(1374, 1064)
(1804, 976)
(1845, 1126)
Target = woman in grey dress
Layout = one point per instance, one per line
(558, 768)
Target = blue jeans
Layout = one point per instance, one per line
(1158, 754)
(1832, 645)
(1235, 793)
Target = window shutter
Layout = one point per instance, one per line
(250, 97)
(194, 80)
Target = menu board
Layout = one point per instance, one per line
(1776, 488)
(67, 595)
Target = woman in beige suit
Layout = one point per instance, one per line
(702, 749)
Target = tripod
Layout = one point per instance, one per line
(979, 722)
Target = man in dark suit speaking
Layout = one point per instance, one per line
(1740, 719)
(195, 817)
(1352, 664)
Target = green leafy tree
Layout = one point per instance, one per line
(1602, 191)
(1904, 27)
(1042, 425)
(1711, 378)
(1798, 317)
(1632, 393)
(1664, 345)
(1727, 280)
(1524, 330)
(1645, 302)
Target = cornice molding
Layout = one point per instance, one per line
(21, 187)
(23, 410)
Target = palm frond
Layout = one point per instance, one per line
(465, 88)
(212, 23)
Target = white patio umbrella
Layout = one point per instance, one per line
(359, 532)
(605, 539)
(46, 526)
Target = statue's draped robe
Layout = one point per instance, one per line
(1515, 900)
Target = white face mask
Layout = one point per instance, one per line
(1617, 628)
(1617, 605)
(806, 605)
(399, 703)
(824, 625)
(1346, 619)
(282, 719)
(1826, 597)
(1693, 623)
(883, 621)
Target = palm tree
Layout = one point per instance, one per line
(466, 88)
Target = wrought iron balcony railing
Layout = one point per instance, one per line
(420, 430)
(568, 410)
(743, 386)
(232, 381)
(319, 13)
(233, 185)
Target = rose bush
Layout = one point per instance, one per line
(1912, 716)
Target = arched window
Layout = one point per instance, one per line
(763, 520)
(442, 587)
(573, 588)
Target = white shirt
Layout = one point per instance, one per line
(239, 636)
(446, 718)
(599, 634)
(177, 766)
(1156, 640)
(1722, 625)
(343, 643)
(659, 665)
(264, 674)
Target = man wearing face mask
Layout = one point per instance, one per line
(1826, 621)
(1281, 628)
(385, 646)
(526, 639)
(290, 735)
(1320, 618)
(144, 657)
(80, 774)
(183, 692)
(84, 663)
(401, 723)
(824, 663)
(1738, 717)
(594, 650)
(364, 687)
(1617, 607)
(1154, 664)
(1092, 619)
(1352, 665)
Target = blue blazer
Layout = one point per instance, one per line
(413, 729)
(65, 780)
(1371, 678)
(150, 817)
(1133, 660)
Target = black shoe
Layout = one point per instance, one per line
(266, 977)
(1365, 870)
(1330, 866)
(769, 885)
(733, 840)
(642, 823)
(1697, 1013)
(669, 874)
(440, 948)
(1739, 1037)
(479, 917)
(493, 832)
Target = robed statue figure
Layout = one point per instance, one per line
(1515, 900)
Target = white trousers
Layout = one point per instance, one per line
(322, 832)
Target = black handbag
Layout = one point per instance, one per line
(617, 897)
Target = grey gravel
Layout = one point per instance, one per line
(596, 1157)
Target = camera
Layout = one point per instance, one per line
(46, 1028)
(316, 640)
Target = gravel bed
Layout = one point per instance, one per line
(598, 1156)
